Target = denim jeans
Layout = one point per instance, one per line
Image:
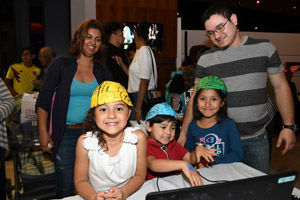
(64, 163)
(256, 152)
(3, 179)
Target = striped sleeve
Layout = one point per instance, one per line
(7, 102)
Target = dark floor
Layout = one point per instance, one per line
(287, 162)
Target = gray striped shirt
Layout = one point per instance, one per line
(244, 70)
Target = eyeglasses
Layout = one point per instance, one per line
(219, 29)
(26, 54)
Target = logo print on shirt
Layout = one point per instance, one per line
(212, 141)
(16, 74)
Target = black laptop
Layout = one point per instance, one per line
(268, 187)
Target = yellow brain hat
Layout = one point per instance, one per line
(109, 91)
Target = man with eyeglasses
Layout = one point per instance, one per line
(245, 64)
(20, 76)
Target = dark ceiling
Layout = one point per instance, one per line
(267, 16)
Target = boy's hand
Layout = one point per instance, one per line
(192, 174)
(207, 154)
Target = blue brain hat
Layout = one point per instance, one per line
(161, 109)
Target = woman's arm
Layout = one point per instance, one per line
(7, 101)
(83, 187)
(45, 138)
(143, 88)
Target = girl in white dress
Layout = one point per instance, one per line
(110, 159)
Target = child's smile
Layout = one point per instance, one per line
(163, 132)
(209, 103)
(112, 117)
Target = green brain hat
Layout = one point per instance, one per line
(212, 82)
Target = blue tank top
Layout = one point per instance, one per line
(80, 100)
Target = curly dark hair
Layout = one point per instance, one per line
(222, 113)
(89, 124)
(77, 42)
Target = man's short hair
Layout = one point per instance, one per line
(112, 27)
(216, 9)
(31, 49)
(49, 52)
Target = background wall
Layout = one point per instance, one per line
(57, 25)
(80, 11)
(287, 44)
(155, 11)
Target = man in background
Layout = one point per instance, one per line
(115, 57)
(20, 76)
(46, 56)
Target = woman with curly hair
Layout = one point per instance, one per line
(72, 80)
(110, 158)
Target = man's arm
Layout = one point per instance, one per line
(8, 83)
(284, 101)
(188, 117)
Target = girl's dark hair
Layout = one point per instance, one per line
(216, 9)
(142, 30)
(89, 124)
(161, 118)
(79, 36)
(221, 114)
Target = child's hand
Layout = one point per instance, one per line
(192, 174)
(100, 195)
(207, 154)
(114, 193)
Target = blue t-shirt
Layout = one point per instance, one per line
(80, 100)
(223, 136)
